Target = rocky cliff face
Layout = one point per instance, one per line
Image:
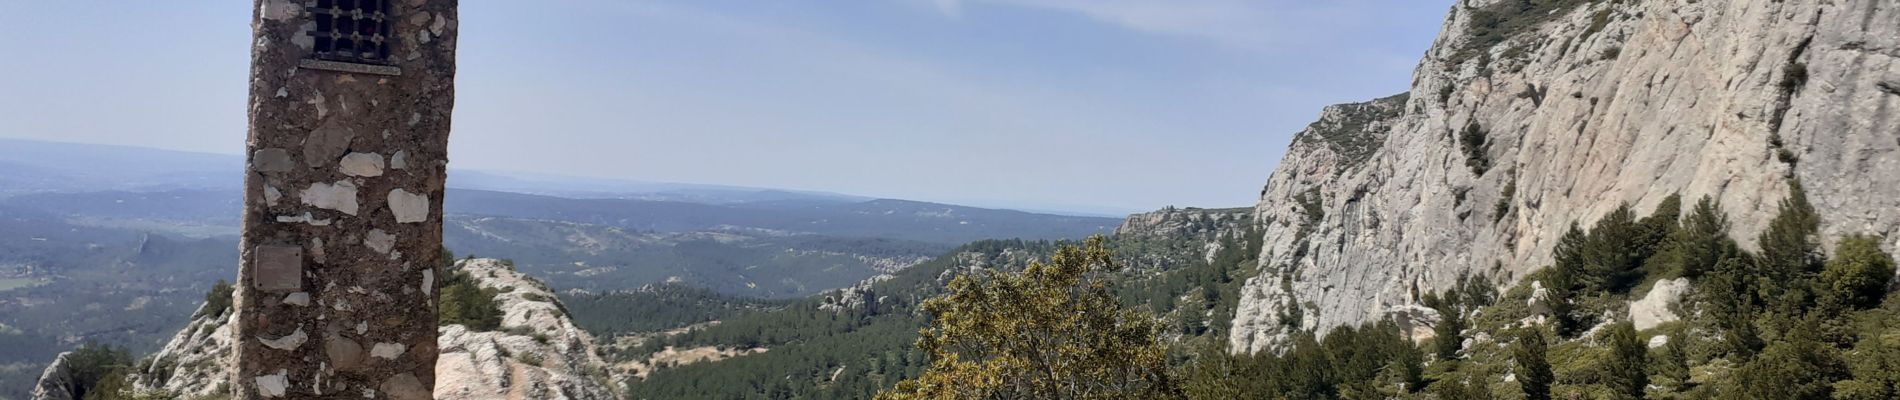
(537, 353)
(57, 382)
(196, 362)
(1523, 121)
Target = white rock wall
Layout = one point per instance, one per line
(1661, 97)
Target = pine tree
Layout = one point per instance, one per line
(1562, 283)
(1533, 369)
(1613, 252)
(1727, 296)
(1448, 334)
(1628, 372)
(1673, 363)
(1790, 255)
(1700, 242)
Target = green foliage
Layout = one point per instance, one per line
(1856, 276)
(1790, 253)
(97, 371)
(1051, 331)
(1796, 367)
(866, 350)
(217, 301)
(1672, 364)
(657, 308)
(1628, 372)
(1700, 242)
(463, 302)
(1448, 334)
(1374, 361)
(1473, 140)
(1533, 368)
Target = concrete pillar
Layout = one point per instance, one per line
(349, 125)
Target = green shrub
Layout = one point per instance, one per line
(463, 302)
(1472, 139)
(217, 301)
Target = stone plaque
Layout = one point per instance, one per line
(279, 268)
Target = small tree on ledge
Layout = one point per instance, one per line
(1052, 331)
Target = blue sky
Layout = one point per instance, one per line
(1088, 105)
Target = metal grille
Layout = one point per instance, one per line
(355, 31)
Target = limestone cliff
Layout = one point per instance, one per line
(537, 353)
(1522, 121)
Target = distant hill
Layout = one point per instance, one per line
(894, 219)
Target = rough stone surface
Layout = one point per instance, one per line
(57, 382)
(1659, 306)
(333, 128)
(196, 362)
(513, 362)
(272, 160)
(1377, 201)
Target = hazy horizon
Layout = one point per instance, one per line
(1045, 105)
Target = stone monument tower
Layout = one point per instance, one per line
(349, 125)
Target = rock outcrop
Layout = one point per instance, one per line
(536, 353)
(856, 297)
(57, 382)
(1521, 123)
(1660, 305)
(1173, 236)
(196, 362)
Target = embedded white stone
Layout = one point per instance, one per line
(273, 385)
(305, 218)
(299, 299)
(340, 196)
(387, 350)
(271, 195)
(316, 250)
(286, 343)
(380, 241)
(408, 207)
(400, 160)
(278, 10)
(362, 327)
(440, 23)
(428, 281)
(362, 164)
(1658, 341)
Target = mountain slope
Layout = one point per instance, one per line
(1526, 117)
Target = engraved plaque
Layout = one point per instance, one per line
(279, 268)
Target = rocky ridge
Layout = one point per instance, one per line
(1171, 236)
(537, 353)
(1520, 124)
